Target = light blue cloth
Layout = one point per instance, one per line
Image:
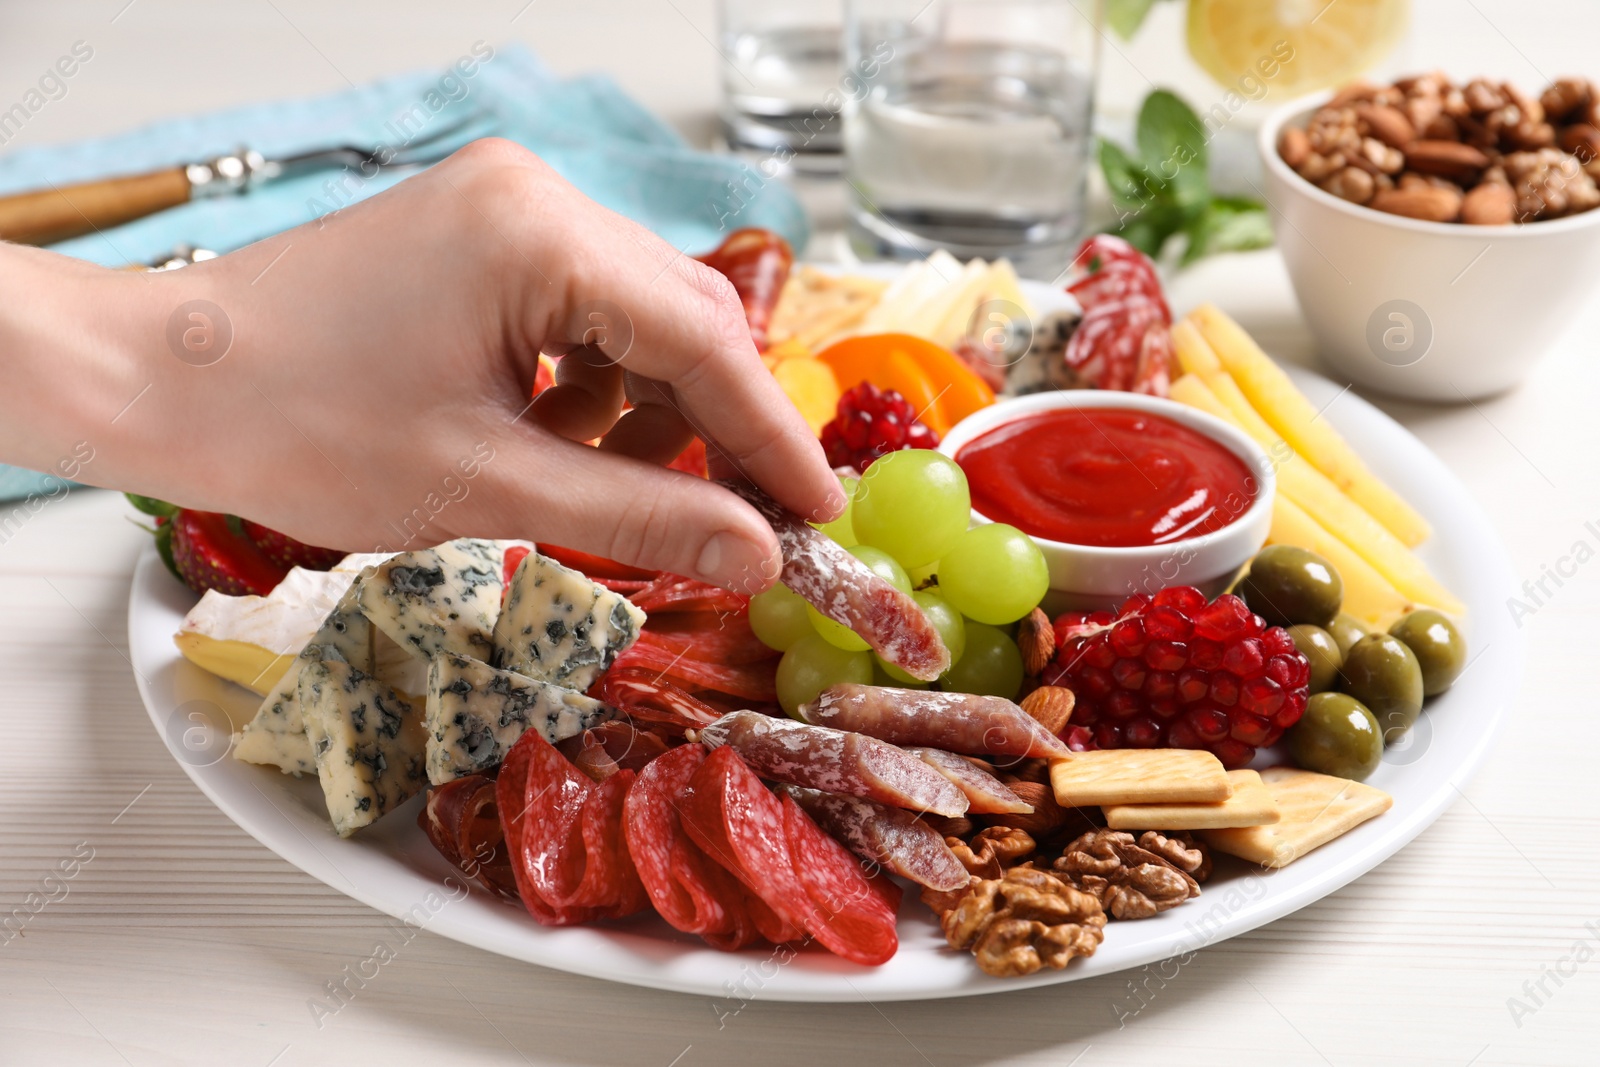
(597, 137)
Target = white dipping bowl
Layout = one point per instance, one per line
(1425, 310)
(1091, 577)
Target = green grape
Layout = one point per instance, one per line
(990, 665)
(913, 504)
(884, 566)
(778, 617)
(945, 619)
(811, 665)
(994, 574)
(840, 529)
(881, 677)
(920, 575)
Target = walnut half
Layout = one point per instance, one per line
(1024, 920)
(1135, 879)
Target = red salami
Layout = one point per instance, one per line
(757, 262)
(569, 858)
(689, 891)
(669, 592)
(893, 838)
(610, 747)
(732, 817)
(847, 591)
(956, 722)
(852, 913)
(835, 760)
(1124, 340)
(647, 697)
(748, 681)
(986, 794)
(463, 822)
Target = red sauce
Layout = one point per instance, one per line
(1105, 477)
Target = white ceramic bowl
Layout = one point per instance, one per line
(1427, 310)
(1087, 577)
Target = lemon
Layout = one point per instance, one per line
(1292, 46)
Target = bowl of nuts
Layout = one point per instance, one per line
(1441, 237)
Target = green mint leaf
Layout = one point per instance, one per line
(1227, 225)
(1172, 147)
(1125, 179)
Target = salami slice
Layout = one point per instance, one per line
(852, 912)
(511, 797)
(643, 694)
(955, 722)
(847, 591)
(757, 262)
(611, 883)
(748, 681)
(986, 794)
(891, 837)
(688, 890)
(462, 821)
(736, 822)
(835, 760)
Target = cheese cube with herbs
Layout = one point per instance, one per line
(560, 627)
(437, 600)
(476, 712)
(367, 740)
(276, 737)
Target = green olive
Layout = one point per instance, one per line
(1438, 645)
(1288, 585)
(1346, 631)
(1382, 673)
(1318, 646)
(1337, 735)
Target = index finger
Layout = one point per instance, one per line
(687, 328)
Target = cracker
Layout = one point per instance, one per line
(1251, 805)
(1314, 808)
(1139, 776)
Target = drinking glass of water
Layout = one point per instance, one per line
(972, 132)
(780, 79)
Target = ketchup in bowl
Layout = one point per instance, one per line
(1110, 477)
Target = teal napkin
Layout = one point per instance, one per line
(585, 127)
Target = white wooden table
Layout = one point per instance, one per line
(183, 941)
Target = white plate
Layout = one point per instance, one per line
(392, 867)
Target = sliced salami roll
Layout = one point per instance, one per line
(891, 837)
(739, 824)
(838, 761)
(847, 591)
(986, 794)
(955, 722)
(511, 797)
(852, 911)
(688, 890)
(463, 822)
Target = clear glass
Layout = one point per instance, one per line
(971, 131)
(781, 64)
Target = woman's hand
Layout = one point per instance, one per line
(374, 393)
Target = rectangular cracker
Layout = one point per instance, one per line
(1251, 805)
(1139, 776)
(1314, 809)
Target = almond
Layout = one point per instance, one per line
(1490, 204)
(1387, 124)
(1582, 141)
(1047, 813)
(1447, 159)
(1294, 147)
(1352, 184)
(1051, 706)
(1036, 638)
(1429, 203)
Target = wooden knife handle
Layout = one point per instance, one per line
(50, 215)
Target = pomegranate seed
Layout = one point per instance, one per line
(1099, 653)
(1209, 724)
(1129, 673)
(1143, 733)
(1233, 754)
(1160, 684)
(1166, 655)
(1164, 707)
(1122, 705)
(1250, 729)
(1227, 619)
(1096, 681)
(1137, 604)
(1206, 655)
(1079, 738)
(1181, 735)
(1277, 642)
(1243, 659)
(1166, 624)
(1128, 638)
(1224, 689)
(1183, 598)
(870, 423)
(1261, 696)
(1107, 735)
(1258, 625)
(1193, 685)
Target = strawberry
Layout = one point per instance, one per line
(286, 552)
(208, 554)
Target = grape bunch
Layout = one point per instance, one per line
(907, 519)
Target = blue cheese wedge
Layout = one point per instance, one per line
(475, 713)
(276, 737)
(560, 627)
(437, 600)
(367, 741)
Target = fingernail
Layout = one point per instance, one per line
(727, 557)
